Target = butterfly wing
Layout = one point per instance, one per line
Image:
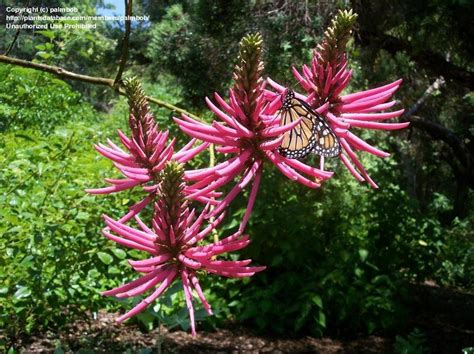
(301, 140)
(327, 142)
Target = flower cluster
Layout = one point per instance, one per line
(172, 241)
(144, 154)
(249, 131)
(324, 82)
(176, 234)
(247, 135)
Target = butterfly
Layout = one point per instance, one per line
(313, 134)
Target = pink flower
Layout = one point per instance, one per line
(172, 243)
(324, 82)
(248, 130)
(143, 156)
(250, 140)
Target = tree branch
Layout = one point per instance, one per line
(69, 75)
(126, 36)
(433, 61)
(436, 85)
(439, 132)
(17, 33)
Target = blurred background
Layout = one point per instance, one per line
(343, 261)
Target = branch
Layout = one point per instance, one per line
(426, 58)
(17, 33)
(69, 75)
(126, 36)
(436, 85)
(439, 132)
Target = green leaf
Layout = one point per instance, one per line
(22, 292)
(363, 254)
(105, 257)
(119, 253)
(317, 301)
(48, 34)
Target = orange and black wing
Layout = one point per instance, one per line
(327, 142)
(301, 140)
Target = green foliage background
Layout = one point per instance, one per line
(339, 259)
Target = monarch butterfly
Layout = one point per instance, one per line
(313, 134)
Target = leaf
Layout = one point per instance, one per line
(22, 292)
(317, 301)
(105, 257)
(48, 34)
(119, 253)
(363, 254)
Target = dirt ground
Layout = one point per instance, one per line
(446, 317)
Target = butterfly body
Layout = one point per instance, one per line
(313, 134)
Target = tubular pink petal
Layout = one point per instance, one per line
(301, 80)
(343, 84)
(131, 285)
(379, 107)
(135, 209)
(224, 104)
(128, 243)
(113, 157)
(143, 225)
(323, 108)
(217, 183)
(327, 85)
(276, 85)
(227, 264)
(225, 130)
(138, 170)
(124, 139)
(376, 125)
(356, 162)
(220, 114)
(114, 189)
(236, 164)
(188, 146)
(151, 261)
(378, 95)
(115, 147)
(235, 103)
(312, 171)
(209, 138)
(142, 178)
(198, 237)
(188, 155)
(197, 287)
(227, 149)
(355, 96)
(362, 145)
(251, 202)
(357, 106)
(236, 189)
(202, 128)
(147, 301)
(117, 153)
(336, 121)
(271, 132)
(373, 116)
(136, 149)
(124, 230)
(272, 144)
(188, 262)
(189, 300)
(144, 287)
(351, 168)
(273, 106)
